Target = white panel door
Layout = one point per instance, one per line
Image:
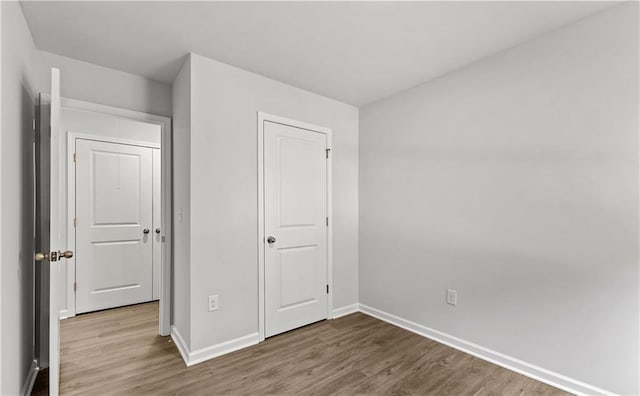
(114, 220)
(295, 202)
(157, 223)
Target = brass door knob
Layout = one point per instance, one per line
(53, 256)
(66, 254)
(41, 256)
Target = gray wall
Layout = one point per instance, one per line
(515, 181)
(223, 193)
(181, 298)
(17, 206)
(25, 72)
(98, 84)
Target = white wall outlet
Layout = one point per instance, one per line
(452, 297)
(213, 303)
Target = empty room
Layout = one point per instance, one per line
(320, 197)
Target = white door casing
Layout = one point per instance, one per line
(157, 223)
(114, 239)
(296, 240)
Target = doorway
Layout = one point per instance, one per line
(55, 147)
(294, 224)
(117, 209)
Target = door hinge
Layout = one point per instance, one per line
(327, 222)
(327, 289)
(327, 153)
(75, 286)
(75, 221)
(75, 157)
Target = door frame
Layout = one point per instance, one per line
(164, 325)
(262, 118)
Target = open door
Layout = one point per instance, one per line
(49, 230)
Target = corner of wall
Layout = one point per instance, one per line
(181, 297)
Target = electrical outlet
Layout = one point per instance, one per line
(452, 297)
(213, 303)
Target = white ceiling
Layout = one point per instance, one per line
(355, 52)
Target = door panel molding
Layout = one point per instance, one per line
(262, 118)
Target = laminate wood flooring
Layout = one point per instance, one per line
(118, 352)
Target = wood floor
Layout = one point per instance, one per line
(119, 352)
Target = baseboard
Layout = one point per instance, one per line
(530, 370)
(200, 355)
(180, 344)
(66, 314)
(346, 310)
(27, 387)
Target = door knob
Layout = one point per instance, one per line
(145, 231)
(66, 254)
(53, 256)
(157, 230)
(271, 240)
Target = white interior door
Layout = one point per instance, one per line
(49, 229)
(157, 223)
(295, 226)
(114, 192)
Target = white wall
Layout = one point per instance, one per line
(223, 194)
(181, 288)
(515, 181)
(98, 84)
(17, 265)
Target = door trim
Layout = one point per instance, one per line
(164, 325)
(262, 118)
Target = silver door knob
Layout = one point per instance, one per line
(271, 240)
(157, 230)
(145, 231)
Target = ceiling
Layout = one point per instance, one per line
(355, 52)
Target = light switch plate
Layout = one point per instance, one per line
(452, 297)
(213, 303)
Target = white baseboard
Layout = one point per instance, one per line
(27, 387)
(200, 355)
(530, 370)
(180, 344)
(66, 314)
(346, 310)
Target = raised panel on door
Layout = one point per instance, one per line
(114, 219)
(295, 188)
